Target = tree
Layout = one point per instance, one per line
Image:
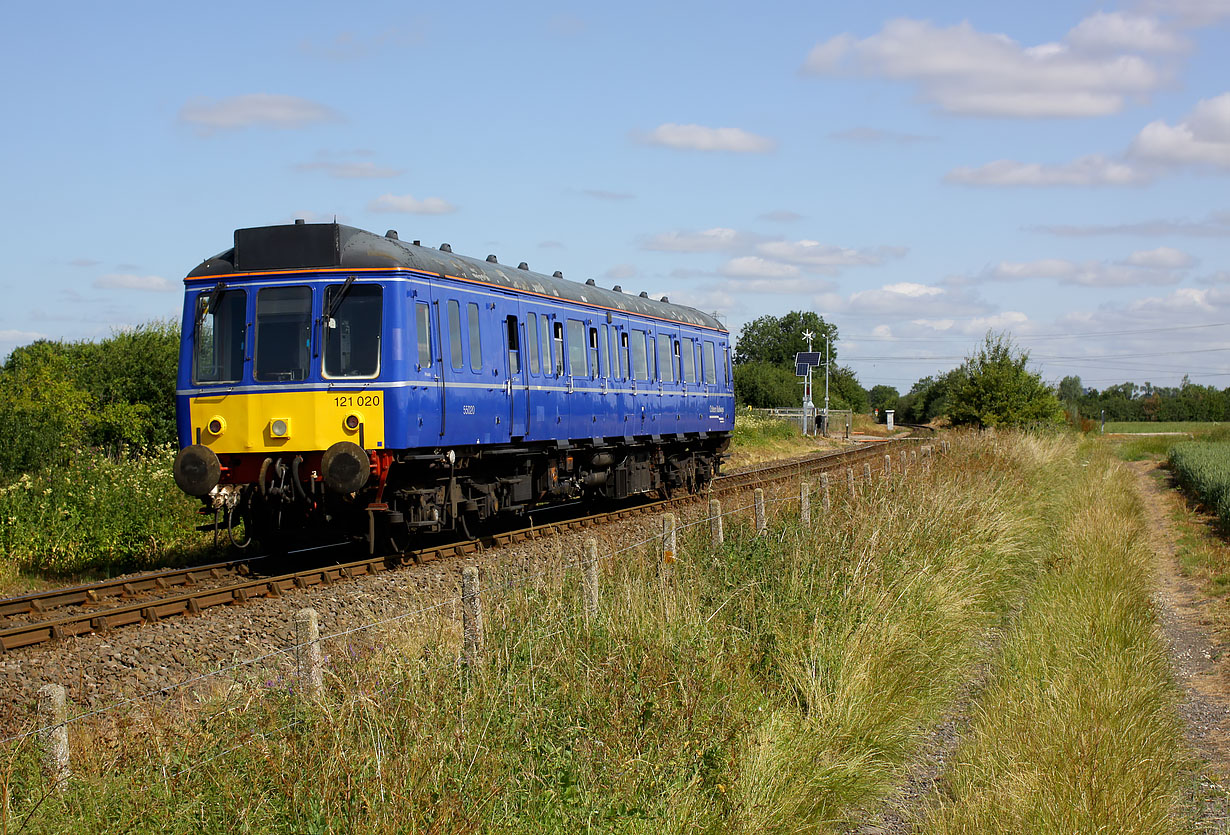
(776, 339)
(883, 398)
(998, 389)
(766, 386)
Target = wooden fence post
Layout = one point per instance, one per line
(307, 652)
(888, 465)
(589, 578)
(867, 473)
(715, 523)
(471, 616)
(53, 741)
(762, 525)
(850, 480)
(668, 542)
(805, 503)
(826, 501)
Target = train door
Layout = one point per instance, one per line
(516, 385)
(430, 362)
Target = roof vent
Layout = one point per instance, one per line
(491, 259)
(557, 274)
(665, 299)
(644, 295)
(418, 243)
(391, 234)
(299, 221)
(617, 289)
(523, 266)
(445, 248)
(589, 282)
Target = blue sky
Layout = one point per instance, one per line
(915, 173)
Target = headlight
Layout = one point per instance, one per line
(351, 422)
(280, 427)
(216, 425)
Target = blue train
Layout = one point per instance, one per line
(336, 380)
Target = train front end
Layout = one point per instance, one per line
(280, 407)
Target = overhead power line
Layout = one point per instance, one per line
(870, 338)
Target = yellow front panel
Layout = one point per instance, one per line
(308, 420)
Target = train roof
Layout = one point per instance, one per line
(300, 246)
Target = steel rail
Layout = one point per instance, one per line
(194, 601)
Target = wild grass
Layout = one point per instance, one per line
(776, 684)
(1194, 427)
(757, 438)
(1077, 730)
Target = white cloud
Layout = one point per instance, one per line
(351, 170)
(1215, 225)
(753, 266)
(20, 337)
(908, 299)
(701, 138)
(1203, 138)
(129, 281)
(409, 204)
(1188, 12)
(966, 71)
(1160, 266)
(1092, 170)
(254, 109)
(621, 272)
(1162, 258)
(718, 239)
(826, 257)
(1115, 31)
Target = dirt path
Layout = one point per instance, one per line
(1198, 656)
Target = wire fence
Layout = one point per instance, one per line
(47, 732)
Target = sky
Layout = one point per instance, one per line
(917, 174)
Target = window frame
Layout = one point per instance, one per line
(202, 301)
(324, 337)
(256, 358)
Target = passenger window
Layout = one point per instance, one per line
(617, 357)
(665, 365)
(283, 333)
(454, 334)
(606, 352)
(531, 333)
(559, 349)
(546, 347)
(220, 333)
(576, 348)
(623, 356)
(476, 338)
(707, 363)
(352, 333)
(640, 363)
(514, 348)
(594, 369)
(649, 357)
(689, 361)
(422, 318)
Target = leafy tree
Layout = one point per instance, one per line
(998, 389)
(776, 339)
(929, 397)
(883, 398)
(767, 386)
(845, 391)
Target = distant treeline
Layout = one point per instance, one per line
(59, 398)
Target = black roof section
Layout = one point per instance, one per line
(324, 245)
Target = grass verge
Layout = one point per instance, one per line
(776, 684)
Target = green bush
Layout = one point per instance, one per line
(102, 514)
(1204, 469)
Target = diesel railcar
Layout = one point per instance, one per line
(336, 380)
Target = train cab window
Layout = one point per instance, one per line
(666, 367)
(422, 321)
(576, 349)
(707, 362)
(640, 362)
(514, 346)
(558, 342)
(221, 324)
(606, 354)
(689, 360)
(454, 334)
(476, 338)
(352, 331)
(531, 341)
(283, 333)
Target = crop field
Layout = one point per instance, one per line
(1204, 469)
(1146, 427)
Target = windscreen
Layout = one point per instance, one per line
(220, 336)
(283, 333)
(352, 333)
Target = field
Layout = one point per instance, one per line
(1145, 426)
(1204, 470)
(779, 683)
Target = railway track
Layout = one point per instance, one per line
(40, 617)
